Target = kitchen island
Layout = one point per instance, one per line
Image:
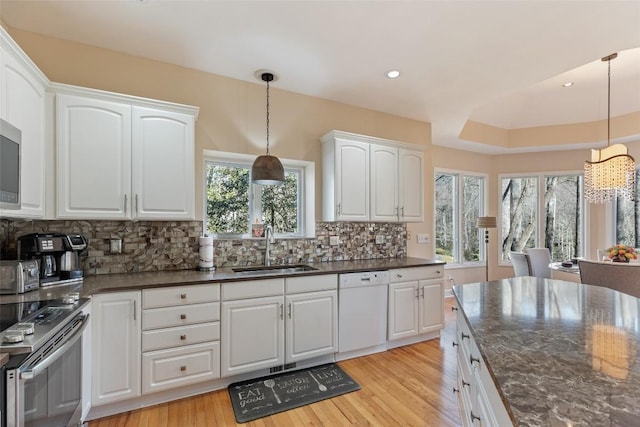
(552, 352)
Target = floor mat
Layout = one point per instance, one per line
(269, 395)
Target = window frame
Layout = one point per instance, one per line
(540, 209)
(306, 192)
(458, 218)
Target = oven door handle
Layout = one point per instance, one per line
(34, 371)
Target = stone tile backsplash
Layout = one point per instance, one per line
(173, 245)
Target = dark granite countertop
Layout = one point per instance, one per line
(133, 281)
(560, 353)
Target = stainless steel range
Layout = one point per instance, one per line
(44, 373)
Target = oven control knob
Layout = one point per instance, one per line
(67, 299)
(13, 336)
(27, 328)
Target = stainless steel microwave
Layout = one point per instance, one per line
(10, 139)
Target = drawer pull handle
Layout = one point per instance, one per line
(183, 316)
(454, 308)
(474, 417)
(464, 335)
(473, 359)
(183, 296)
(183, 337)
(455, 390)
(183, 368)
(465, 384)
(455, 344)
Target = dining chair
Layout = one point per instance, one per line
(619, 276)
(539, 258)
(520, 262)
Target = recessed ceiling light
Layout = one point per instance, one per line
(393, 74)
(568, 84)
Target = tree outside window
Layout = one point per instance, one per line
(627, 217)
(560, 221)
(229, 196)
(459, 199)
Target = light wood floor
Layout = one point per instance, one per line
(407, 386)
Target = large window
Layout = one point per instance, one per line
(627, 218)
(459, 200)
(232, 203)
(542, 211)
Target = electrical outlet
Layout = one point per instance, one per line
(334, 240)
(115, 246)
(423, 238)
(379, 239)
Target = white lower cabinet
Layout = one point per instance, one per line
(180, 336)
(416, 302)
(255, 315)
(478, 399)
(115, 320)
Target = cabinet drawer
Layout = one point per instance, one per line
(325, 282)
(165, 369)
(176, 316)
(180, 295)
(180, 336)
(252, 289)
(418, 273)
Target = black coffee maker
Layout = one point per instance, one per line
(58, 254)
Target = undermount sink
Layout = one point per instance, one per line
(275, 269)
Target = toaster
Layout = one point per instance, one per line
(17, 277)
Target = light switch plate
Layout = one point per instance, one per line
(334, 240)
(423, 238)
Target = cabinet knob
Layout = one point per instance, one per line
(455, 390)
(183, 368)
(455, 344)
(474, 417)
(463, 335)
(473, 359)
(183, 337)
(465, 384)
(454, 308)
(183, 316)
(183, 296)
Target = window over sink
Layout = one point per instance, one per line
(232, 203)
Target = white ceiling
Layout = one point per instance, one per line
(498, 62)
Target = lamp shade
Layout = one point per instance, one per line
(486, 222)
(610, 173)
(267, 170)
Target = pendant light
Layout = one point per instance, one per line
(611, 171)
(267, 169)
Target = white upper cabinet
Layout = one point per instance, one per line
(371, 179)
(93, 158)
(22, 104)
(163, 164)
(122, 157)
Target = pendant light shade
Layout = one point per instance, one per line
(267, 169)
(611, 171)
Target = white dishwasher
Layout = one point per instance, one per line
(362, 313)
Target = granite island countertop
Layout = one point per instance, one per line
(560, 353)
(134, 281)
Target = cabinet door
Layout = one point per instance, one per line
(403, 310)
(93, 158)
(384, 183)
(352, 181)
(431, 312)
(23, 106)
(116, 347)
(312, 325)
(411, 177)
(252, 335)
(163, 164)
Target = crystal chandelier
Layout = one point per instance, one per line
(611, 171)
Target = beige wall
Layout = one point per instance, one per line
(232, 118)
(232, 112)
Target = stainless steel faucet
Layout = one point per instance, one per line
(269, 239)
